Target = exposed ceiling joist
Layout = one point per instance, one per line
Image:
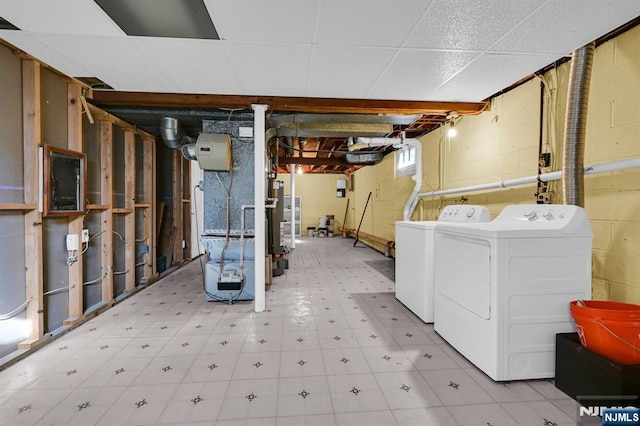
(279, 103)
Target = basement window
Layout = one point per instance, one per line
(405, 162)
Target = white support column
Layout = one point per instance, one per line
(292, 168)
(259, 197)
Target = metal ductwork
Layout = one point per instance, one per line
(365, 158)
(335, 125)
(575, 125)
(171, 133)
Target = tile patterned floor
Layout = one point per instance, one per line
(333, 348)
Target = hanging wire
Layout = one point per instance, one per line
(16, 311)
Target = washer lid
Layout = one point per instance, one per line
(529, 220)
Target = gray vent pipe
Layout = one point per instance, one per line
(171, 133)
(575, 125)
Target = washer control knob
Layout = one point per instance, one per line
(531, 214)
(548, 215)
(470, 212)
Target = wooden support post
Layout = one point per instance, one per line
(106, 194)
(154, 209)
(177, 206)
(149, 221)
(74, 125)
(186, 208)
(32, 219)
(130, 218)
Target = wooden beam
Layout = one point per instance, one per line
(106, 194)
(75, 225)
(153, 237)
(130, 218)
(149, 200)
(280, 103)
(99, 114)
(31, 120)
(319, 161)
(177, 206)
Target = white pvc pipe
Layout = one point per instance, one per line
(292, 168)
(259, 195)
(630, 163)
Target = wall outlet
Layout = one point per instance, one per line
(85, 236)
(72, 242)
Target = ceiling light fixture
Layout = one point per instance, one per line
(299, 170)
(452, 132)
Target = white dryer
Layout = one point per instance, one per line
(502, 289)
(414, 256)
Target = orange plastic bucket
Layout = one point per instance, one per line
(611, 329)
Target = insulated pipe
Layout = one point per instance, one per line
(259, 195)
(575, 125)
(630, 163)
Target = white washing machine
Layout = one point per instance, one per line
(414, 256)
(502, 289)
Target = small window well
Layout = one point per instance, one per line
(161, 18)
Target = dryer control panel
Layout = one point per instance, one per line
(547, 216)
(464, 213)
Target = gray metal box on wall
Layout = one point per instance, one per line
(213, 151)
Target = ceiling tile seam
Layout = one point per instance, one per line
(423, 16)
(457, 73)
(213, 21)
(309, 71)
(135, 44)
(382, 73)
(488, 48)
(316, 23)
(57, 53)
(236, 77)
(513, 28)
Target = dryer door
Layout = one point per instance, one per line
(463, 271)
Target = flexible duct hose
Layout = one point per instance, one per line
(575, 125)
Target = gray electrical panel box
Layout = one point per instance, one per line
(213, 151)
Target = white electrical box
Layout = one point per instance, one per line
(85, 236)
(245, 132)
(73, 242)
(213, 151)
(341, 184)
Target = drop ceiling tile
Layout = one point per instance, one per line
(414, 73)
(114, 60)
(269, 69)
(282, 21)
(59, 17)
(193, 66)
(346, 72)
(562, 26)
(379, 23)
(30, 44)
(468, 24)
(488, 74)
